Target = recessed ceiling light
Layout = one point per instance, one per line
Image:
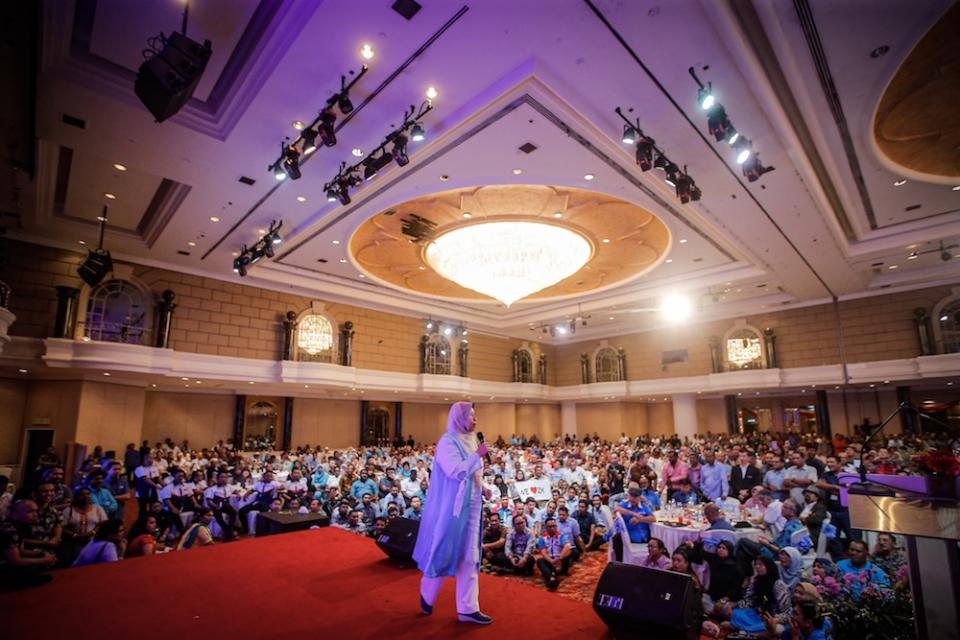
(432, 93)
(154, 385)
(22, 370)
(109, 196)
(81, 242)
(900, 182)
(301, 198)
(444, 178)
(119, 167)
(683, 241)
(298, 125)
(422, 268)
(892, 267)
(517, 171)
(249, 383)
(357, 152)
(235, 254)
(106, 373)
(956, 188)
(306, 386)
(191, 244)
(362, 276)
(366, 52)
(669, 260)
(606, 241)
(558, 215)
(343, 259)
(214, 219)
(335, 241)
(913, 256)
(611, 317)
(467, 214)
(872, 386)
(589, 176)
(185, 379)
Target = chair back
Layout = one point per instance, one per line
(721, 534)
(799, 535)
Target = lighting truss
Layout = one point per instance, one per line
(650, 156)
(263, 248)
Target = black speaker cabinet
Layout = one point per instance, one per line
(399, 538)
(647, 603)
(167, 80)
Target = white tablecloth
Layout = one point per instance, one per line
(673, 537)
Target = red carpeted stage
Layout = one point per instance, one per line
(322, 583)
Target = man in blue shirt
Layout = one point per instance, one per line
(364, 485)
(414, 512)
(652, 498)
(100, 495)
(553, 554)
(571, 528)
(713, 477)
(857, 564)
(774, 477)
(637, 515)
(789, 512)
(685, 495)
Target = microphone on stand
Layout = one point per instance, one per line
(480, 440)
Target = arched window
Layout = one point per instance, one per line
(743, 349)
(605, 365)
(437, 355)
(315, 339)
(117, 311)
(524, 366)
(946, 324)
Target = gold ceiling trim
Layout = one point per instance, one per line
(637, 238)
(917, 124)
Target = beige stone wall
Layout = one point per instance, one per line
(425, 422)
(13, 401)
(110, 415)
(541, 420)
(54, 405)
(330, 423)
(200, 418)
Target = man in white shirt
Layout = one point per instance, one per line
(217, 498)
(147, 481)
(572, 473)
(177, 497)
(264, 491)
(410, 486)
(295, 486)
(798, 477)
(773, 512)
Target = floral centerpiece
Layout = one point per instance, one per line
(941, 467)
(860, 610)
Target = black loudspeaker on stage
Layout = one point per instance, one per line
(399, 538)
(638, 602)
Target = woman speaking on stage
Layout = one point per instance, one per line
(448, 543)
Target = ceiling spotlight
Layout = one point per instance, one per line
(291, 163)
(432, 93)
(561, 329)
(945, 254)
(344, 103)
(742, 147)
(705, 97)
(676, 308)
(629, 135)
(357, 152)
(309, 141)
(956, 188)
(191, 243)
(278, 171)
(366, 52)
(429, 325)
(893, 266)
(558, 215)
(900, 182)
(517, 171)
(732, 135)
(298, 125)
(327, 134)
(467, 214)
(119, 167)
(301, 198)
(719, 124)
(660, 161)
(214, 219)
(753, 169)
(913, 256)
(416, 133)
(673, 172)
(684, 187)
(109, 196)
(399, 151)
(645, 153)
(589, 176)
(332, 194)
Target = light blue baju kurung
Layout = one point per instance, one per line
(448, 542)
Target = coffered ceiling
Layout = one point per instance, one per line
(796, 78)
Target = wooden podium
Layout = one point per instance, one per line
(931, 527)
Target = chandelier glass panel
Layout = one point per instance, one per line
(315, 339)
(745, 351)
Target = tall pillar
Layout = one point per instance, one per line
(730, 403)
(66, 318)
(364, 406)
(908, 419)
(239, 415)
(398, 420)
(165, 308)
(568, 418)
(346, 344)
(685, 415)
(823, 414)
(287, 423)
(289, 327)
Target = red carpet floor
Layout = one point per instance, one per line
(326, 583)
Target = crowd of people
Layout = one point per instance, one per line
(600, 493)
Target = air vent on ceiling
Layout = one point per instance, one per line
(73, 121)
(406, 8)
(528, 147)
(323, 260)
(246, 180)
(913, 207)
(698, 259)
(183, 253)
(877, 264)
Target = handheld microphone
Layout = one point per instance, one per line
(480, 440)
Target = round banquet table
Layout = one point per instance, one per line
(673, 537)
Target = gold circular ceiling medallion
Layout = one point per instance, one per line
(624, 239)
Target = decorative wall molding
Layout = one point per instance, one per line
(124, 361)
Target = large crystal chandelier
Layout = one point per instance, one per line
(508, 260)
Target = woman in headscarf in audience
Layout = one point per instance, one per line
(726, 578)
(791, 567)
(448, 543)
(766, 594)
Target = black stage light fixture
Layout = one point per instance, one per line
(98, 262)
(343, 191)
(327, 135)
(695, 193)
(645, 148)
(416, 133)
(673, 175)
(291, 163)
(309, 141)
(343, 99)
(743, 149)
(370, 168)
(718, 123)
(684, 185)
(753, 169)
(629, 135)
(277, 170)
(266, 248)
(660, 161)
(399, 152)
(332, 194)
